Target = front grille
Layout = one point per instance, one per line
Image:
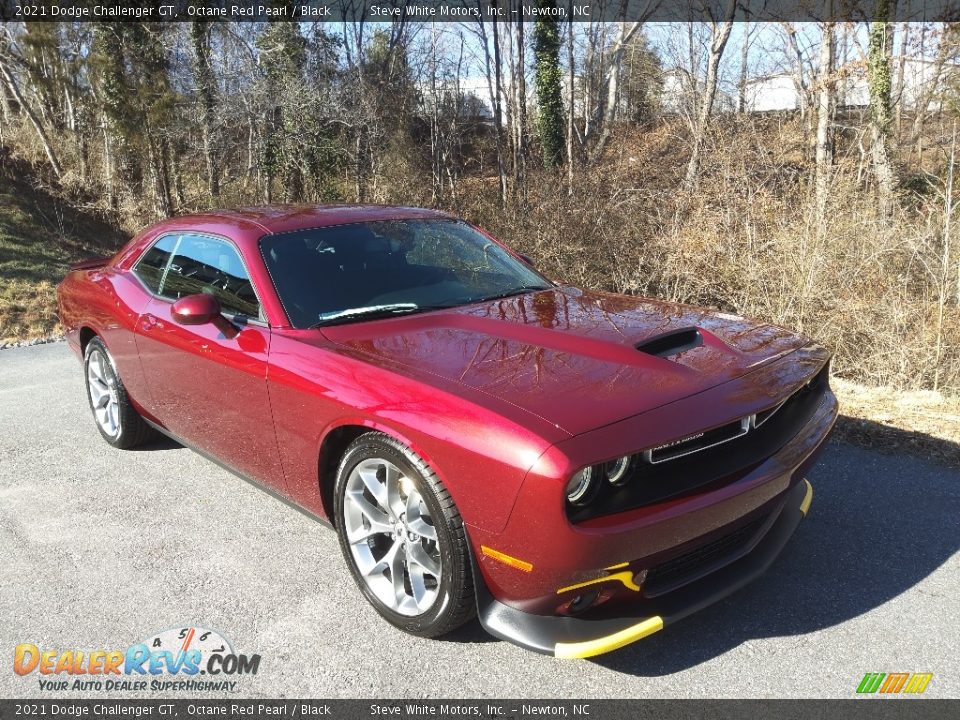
(698, 442)
(701, 561)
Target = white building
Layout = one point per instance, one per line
(779, 91)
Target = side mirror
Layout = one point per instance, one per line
(526, 258)
(195, 309)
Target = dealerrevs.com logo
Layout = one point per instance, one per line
(188, 659)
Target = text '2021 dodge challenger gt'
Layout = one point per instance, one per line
(577, 468)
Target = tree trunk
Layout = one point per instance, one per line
(171, 160)
(11, 84)
(878, 65)
(744, 69)
(109, 166)
(161, 183)
(798, 81)
(825, 104)
(571, 118)
(207, 90)
(945, 260)
(498, 110)
(718, 42)
(901, 71)
(548, 83)
(611, 89)
(930, 88)
(520, 168)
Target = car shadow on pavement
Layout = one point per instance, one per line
(879, 524)
(161, 442)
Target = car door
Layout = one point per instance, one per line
(208, 382)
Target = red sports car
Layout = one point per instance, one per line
(578, 468)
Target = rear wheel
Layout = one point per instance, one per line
(403, 537)
(117, 420)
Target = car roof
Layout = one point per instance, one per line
(271, 219)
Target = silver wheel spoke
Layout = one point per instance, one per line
(114, 412)
(393, 476)
(423, 529)
(418, 586)
(415, 519)
(362, 533)
(376, 488)
(373, 514)
(397, 573)
(384, 563)
(419, 556)
(96, 368)
(100, 395)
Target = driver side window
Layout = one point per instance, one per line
(201, 264)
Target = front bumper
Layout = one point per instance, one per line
(580, 637)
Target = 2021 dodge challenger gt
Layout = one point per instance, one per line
(578, 468)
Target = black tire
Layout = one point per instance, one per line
(455, 602)
(131, 429)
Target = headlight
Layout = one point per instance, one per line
(581, 487)
(618, 471)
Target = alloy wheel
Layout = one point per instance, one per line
(102, 387)
(391, 537)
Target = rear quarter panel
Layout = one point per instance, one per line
(107, 302)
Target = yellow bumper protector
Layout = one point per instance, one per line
(591, 648)
(626, 577)
(807, 499)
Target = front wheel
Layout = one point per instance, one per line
(403, 537)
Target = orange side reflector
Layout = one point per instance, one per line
(506, 559)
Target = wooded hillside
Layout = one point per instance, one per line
(622, 156)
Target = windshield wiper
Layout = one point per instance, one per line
(513, 291)
(330, 318)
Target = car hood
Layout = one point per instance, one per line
(577, 359)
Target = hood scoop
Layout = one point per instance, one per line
(673, 342)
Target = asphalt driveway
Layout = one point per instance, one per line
(101, 548)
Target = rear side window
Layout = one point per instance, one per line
(152, 265)
(208, 265)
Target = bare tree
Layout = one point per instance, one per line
(932, 84)
(826, 101)
(494, 78)
(718, 42)
(744, 68)
(607, 108)
(797, 63)
(207, 91)
(571, 102)
(11, 83)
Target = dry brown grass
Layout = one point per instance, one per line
(41, 232)
(867, 286)
(919, 422)
(27, 311)
(746, 241)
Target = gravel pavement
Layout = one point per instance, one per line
(101, 548)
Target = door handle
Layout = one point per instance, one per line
(149, 322)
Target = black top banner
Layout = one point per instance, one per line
(507, 11)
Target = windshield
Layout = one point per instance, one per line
(351, 273)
